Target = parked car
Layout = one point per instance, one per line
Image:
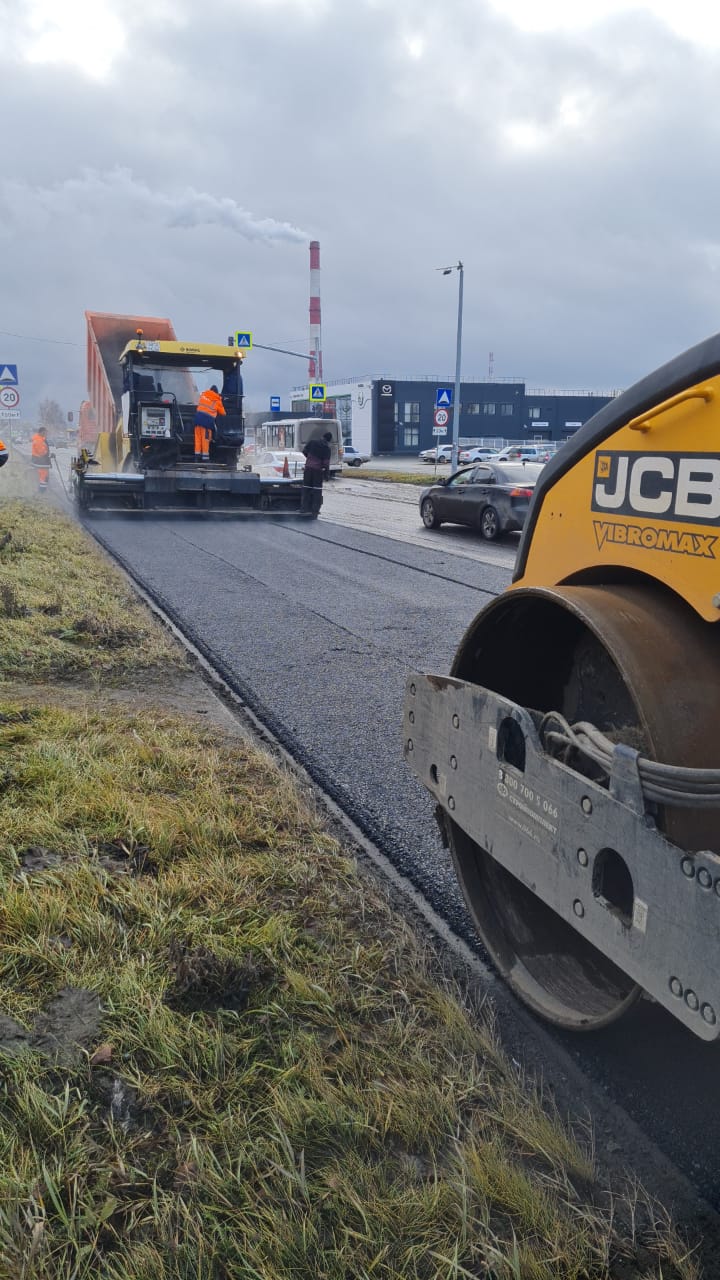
(440, 453)
(353, 457)
(529, 452)
(490, 497)
(274, 463)
(477, 453)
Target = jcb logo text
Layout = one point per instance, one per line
(674, 486)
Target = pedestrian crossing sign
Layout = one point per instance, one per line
(317, 391)
(243, 341)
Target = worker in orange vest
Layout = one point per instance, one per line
(208, 407)
(4, 455)
(40, 456)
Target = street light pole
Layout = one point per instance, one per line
(458, 356)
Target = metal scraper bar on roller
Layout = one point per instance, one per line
(591, 853)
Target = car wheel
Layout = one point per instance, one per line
(490, 524)
(429, 514)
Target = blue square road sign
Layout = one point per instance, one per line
(274, 402)
(8, 375)
(243, 340)
(443, 397)
(317, 391)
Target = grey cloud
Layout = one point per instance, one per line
(180, 183)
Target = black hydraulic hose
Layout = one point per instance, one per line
(661, 783)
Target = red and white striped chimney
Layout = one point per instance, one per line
(315, 369)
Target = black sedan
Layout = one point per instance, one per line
(491, 497)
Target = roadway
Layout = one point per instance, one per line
(316, 626)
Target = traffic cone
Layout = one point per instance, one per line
(286, 469)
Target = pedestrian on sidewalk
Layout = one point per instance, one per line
(40, 457)
(317, 468)
(208, 407)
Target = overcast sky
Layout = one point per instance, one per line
(176, 158)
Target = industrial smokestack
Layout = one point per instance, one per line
(315, 369)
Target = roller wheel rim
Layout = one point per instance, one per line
(587, 991)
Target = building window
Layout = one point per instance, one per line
(411, 437)
(412, 411)
(506, 410)
(489, 408)
(534, 412)
(471, 408)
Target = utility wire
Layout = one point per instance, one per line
(26, 337)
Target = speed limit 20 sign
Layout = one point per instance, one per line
(9, 397)
(442, 417)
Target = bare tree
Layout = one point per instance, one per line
(50, 414)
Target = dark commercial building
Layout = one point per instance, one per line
(393, 416)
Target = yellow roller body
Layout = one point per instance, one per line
(645, 500)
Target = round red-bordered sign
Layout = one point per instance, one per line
(9, 397)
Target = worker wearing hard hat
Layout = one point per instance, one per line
(40, 457)
(208, 407)
(4, 455)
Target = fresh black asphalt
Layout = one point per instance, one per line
(316, 626)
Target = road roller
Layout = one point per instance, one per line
(573, 750)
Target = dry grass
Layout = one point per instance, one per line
(64, 609)
(291, 1091)
(281, 1087)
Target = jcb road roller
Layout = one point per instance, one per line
(574, 748)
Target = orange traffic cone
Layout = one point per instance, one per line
(286, 469)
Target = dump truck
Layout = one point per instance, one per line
(573, 750)
(143, 390)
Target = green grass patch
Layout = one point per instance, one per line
(397, 477)
(64, 608)
(285, 1088)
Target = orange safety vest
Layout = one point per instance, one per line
(210, 402)
(3, 453)
(40, 451)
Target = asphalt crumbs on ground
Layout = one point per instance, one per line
(316, 626)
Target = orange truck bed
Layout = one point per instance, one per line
(107, 336)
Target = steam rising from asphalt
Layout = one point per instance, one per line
(99, 193)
